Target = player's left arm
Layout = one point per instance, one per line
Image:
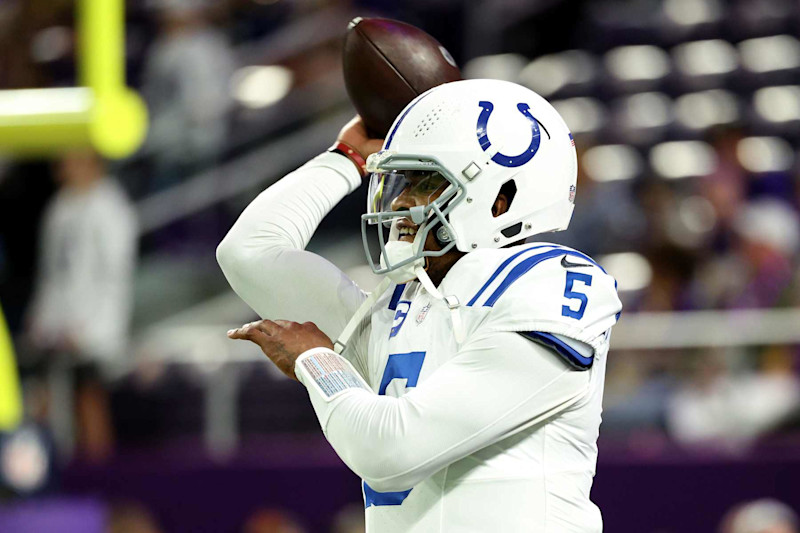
(495, 386)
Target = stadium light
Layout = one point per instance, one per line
(701, 110)
(765, 154)
(631, 270)
(496, 67)
(261, 86)
(692, 12)
(637, 63)
(682, 159)
(696, 217)
(778, 104)
(771, 222)
(582, 115)
(705, 58)
(646, 110)
(550, 73)
(613, 162)
(103, 113)
(766, 54)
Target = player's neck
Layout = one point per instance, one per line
(438, 267)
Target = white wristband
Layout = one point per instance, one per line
(329, 373)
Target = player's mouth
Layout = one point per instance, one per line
(406, 231)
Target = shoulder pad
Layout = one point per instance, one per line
(548, 288)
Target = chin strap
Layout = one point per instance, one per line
(341, 342)
(451, 301)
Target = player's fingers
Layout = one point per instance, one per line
(262, 339)
(266, 342)
(252, 333)
(267, 326)
(237, 333)
(283, 324)
(241, 332)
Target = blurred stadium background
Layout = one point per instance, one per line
(139, 415)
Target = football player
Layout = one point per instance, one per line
(466, 390)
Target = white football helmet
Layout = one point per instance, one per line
(478, 135)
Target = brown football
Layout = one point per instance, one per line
(387, 64)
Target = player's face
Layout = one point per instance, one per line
(422, 188)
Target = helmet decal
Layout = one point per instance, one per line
(502, 159)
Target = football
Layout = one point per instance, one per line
(389, 63)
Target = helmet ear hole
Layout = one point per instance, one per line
(509, 190)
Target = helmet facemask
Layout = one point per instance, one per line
(393, 175)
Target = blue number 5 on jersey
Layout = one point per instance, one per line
(399, 366)
(573, 294)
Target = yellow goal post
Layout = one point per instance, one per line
(103, 113)
(10, 394)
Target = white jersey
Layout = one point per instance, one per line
(496, 433)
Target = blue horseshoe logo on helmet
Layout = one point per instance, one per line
(503, 159)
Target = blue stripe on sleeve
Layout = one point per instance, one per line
(502, 266)
(524, 266)
(561, 348)
(373, 497)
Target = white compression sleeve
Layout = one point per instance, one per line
(492, 388)
(263, 255)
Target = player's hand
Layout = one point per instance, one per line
(282, 341)
(355, 135)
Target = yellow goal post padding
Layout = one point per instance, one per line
(103, 113)
(10, 394)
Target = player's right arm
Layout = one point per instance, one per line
(495, 386)
(263, 255)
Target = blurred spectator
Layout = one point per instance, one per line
(720, 406)
(186, 84)
(725, 188)
(769, 236)
(672, 273)
(349, 519)
(761, 516)
(20, 21)
(131, 518)
(26, 462)
(81, 308)
(757, 271)
(271, 521)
